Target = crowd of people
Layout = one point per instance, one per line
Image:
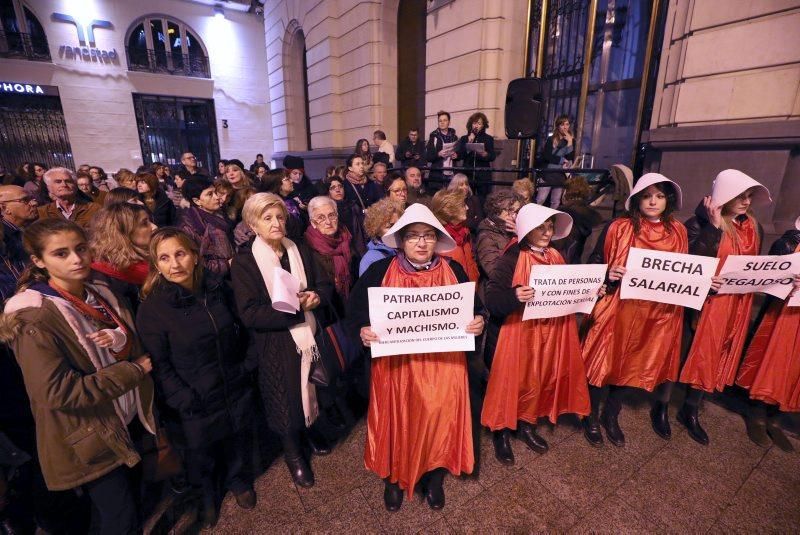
(147, 305)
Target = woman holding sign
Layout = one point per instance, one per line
(537, 369)
(418, 425)
(282, 344)
(771, 369)
(633, 342)
(723, 225)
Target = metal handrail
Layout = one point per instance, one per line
(594, 176)
(18, 44)
(155, 61)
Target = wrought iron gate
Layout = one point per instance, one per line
(32, 129)
(170, 126)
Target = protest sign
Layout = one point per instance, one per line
(773, 275)
(421, 320)
(664, 277)
(563, 289)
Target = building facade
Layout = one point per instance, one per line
(121, 84)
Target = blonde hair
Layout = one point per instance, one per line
(457, 180)
(111, 230)
(727, 227)
(125, 175)
(379, 214)
(244, 183)
(524, 188)
(154, 276)
(255, 206)
(447, 204)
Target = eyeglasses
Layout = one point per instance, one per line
(336, 186)
(332, 218)
(399, 190)
(428, 237)
(23, 200)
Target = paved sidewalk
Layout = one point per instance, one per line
(650, 485)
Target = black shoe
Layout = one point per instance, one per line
(502, 446)
(778, 437)
(527, 434)
(318, 443)
(434, 494)
(659, 419)
(336, 418)
(757, 432)
(300, 470)
(246, 499)
(609, 419)
(689, 418)
(591, 430)
(210, 514)
(392, 496)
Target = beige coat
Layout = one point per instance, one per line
(79, 435)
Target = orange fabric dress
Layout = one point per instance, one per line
(722, 329)
(771, 367)
(463, 255)
(633, 342)
(537, 369)
(419, 411)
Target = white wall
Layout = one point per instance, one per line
(96, 97)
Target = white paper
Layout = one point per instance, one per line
(475, 147)
(773, 275)
(564, 289)
(285, 287)
(448, 147)
(421, 320)
(671, 278)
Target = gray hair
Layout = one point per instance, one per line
(319, 202)
(500, 200)
(457, 180)
(376, 164)
(50, 173)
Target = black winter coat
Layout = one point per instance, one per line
(271, 348)
(471, 159)
(704, 238)
(198, 360)
(164, 212)
(436, 141)
(410, 154)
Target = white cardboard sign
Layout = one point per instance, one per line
(561, 290)
(773, 275)
(671, 278)
(421, 320)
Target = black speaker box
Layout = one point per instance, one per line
(523, 107)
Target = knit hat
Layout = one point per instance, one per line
(648, 180)
(419, 213)
(532, 215)
(236, 162)
(731, 183)
(193, 187)
(293, 162)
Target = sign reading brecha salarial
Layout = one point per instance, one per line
(769, 274)
(671, 278)
(563, 289)
(421, 320)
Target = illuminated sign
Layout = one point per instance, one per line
(87, 51)
(27, 89)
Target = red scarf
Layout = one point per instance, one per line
(134, 274)
(103, 315)
(338, 247)
(459, 232)
(355, 179)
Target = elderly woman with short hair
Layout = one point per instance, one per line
(450, 208)
(460, 182)
(378, 219)
(282, 344)
(418, 425)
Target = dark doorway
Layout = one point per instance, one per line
(170, 126)
(411, 44)
(32, 129)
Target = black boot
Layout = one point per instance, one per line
(591, 430)
(776, 433)
(756, 423)
(298, 467)
(434, 493)
(392, 496)
(659, 418)
(689, 418)
(609, 419)
(210, 515)
(502, 446)
(317, 442)
(527, 433)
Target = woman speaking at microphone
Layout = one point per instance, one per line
(537, 369)
(418, 424)
(723, 225)
(635, 343)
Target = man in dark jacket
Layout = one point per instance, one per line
(18, 210)
(411, 151)
(189, 167)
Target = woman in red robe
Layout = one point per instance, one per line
(771, 367)
(723, 225)
(537, 371)
(418, 424)
(633, 343)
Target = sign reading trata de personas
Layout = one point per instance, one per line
(563, 289)
(773, 275)
(664, 277)
(421, 320)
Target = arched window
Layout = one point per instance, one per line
(298, 120)
(21, 34)
(162, 44)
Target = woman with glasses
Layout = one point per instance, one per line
(351, 216)
(419, 425)
(396, 189)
